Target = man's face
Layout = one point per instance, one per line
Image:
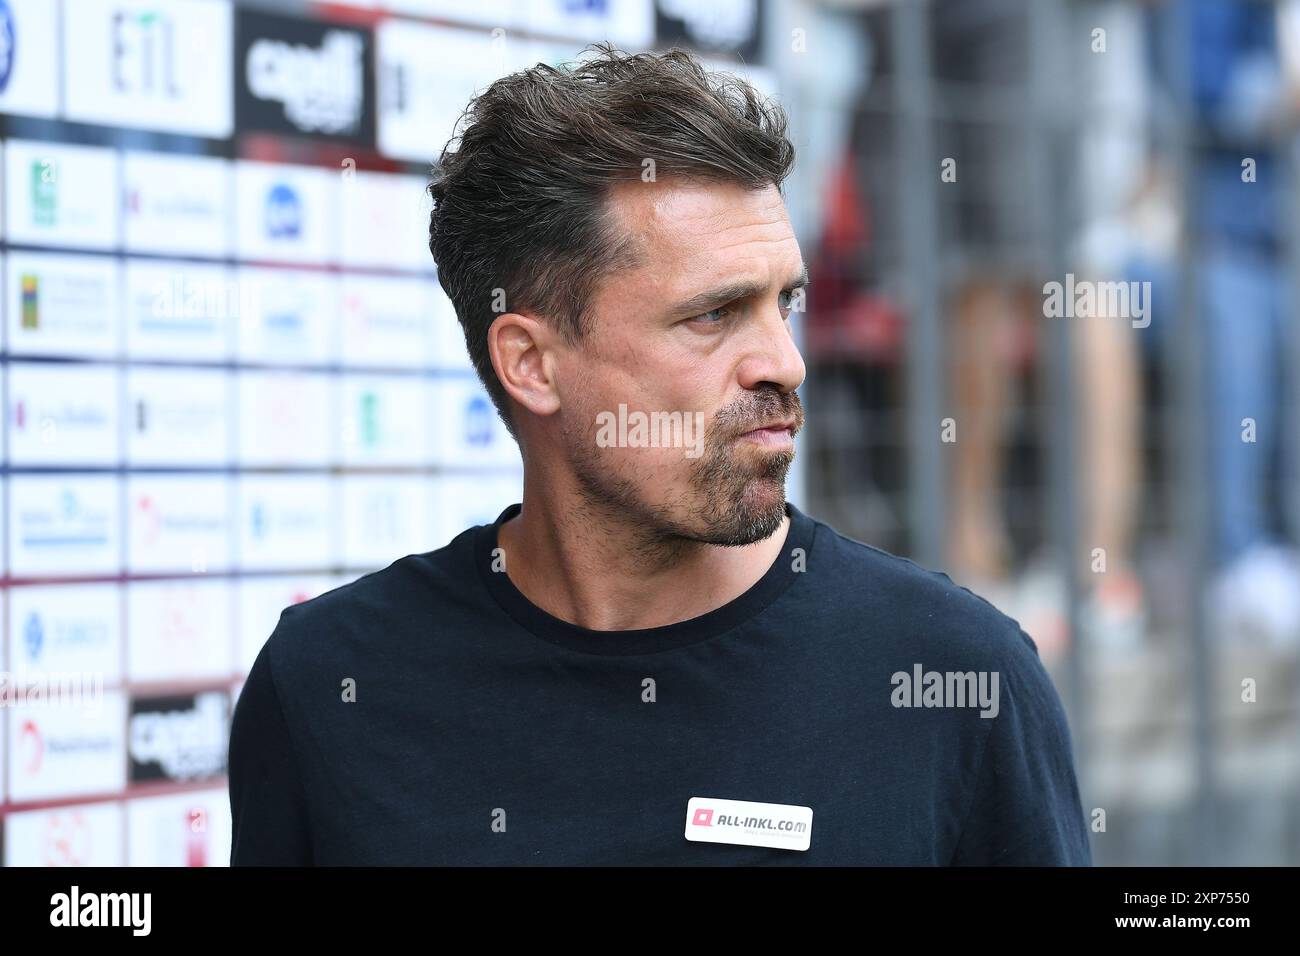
(664, 403)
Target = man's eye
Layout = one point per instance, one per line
(708, 318)
(786, 300)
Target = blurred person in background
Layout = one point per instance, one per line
(981, 47)
(1243, 107)
(853, 340)
(991, 272)
(856, 329)
(1128, 211)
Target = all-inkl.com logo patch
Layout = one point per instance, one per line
(779, 826)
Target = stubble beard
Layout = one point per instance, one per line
(730, 501)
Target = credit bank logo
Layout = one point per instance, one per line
(303, 77)
(319, 87)
(178, 738)
(735, 27)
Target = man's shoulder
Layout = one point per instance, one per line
(376, 605)
(922, 604)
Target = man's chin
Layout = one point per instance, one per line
(754, 516)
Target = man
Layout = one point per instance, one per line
(653, 659)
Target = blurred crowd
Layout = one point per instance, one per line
(1171, 172)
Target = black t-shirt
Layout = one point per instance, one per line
(430, 714)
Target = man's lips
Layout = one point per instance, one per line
(774, 433)
(780, 425)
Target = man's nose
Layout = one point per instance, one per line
(772, 356)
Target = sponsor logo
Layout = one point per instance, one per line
(144, 54)
(45, 192)
(478, 422)
(31, 314)
(70, 633)
(303, 77)
(68, 839)
(283, 212)
(320, 88)
(747, 823)
(8, 45)
(178, 738)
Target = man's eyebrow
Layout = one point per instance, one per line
(713, 298)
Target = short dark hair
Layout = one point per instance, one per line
(519, 194)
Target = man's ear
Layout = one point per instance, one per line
(521, 348)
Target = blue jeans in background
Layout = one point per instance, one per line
(1243, 301)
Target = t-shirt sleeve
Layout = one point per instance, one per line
(1026, 809)
(268, 806)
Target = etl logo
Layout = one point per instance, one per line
(145, 54)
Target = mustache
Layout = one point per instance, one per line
(757, 410)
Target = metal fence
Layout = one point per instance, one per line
(995, 148)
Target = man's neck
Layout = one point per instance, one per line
(594, 570)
